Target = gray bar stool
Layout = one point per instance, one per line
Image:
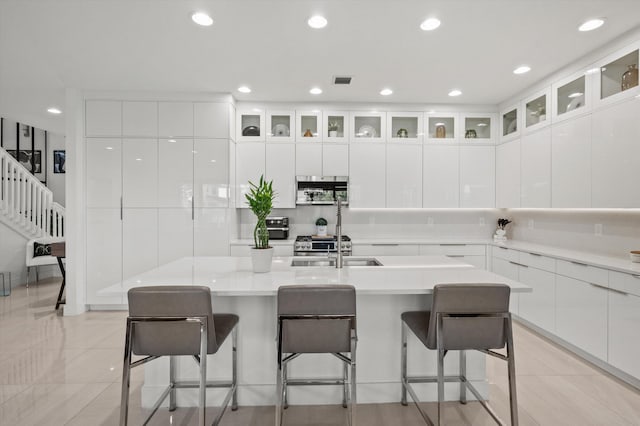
(172, 321)
(316, 319)
(462, 317)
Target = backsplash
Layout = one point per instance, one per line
(384, 223)
(576, 229)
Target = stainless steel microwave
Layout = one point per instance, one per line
(322, 190)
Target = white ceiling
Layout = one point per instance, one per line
(48, 45)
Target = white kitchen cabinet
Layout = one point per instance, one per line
(581, 315)
(405, 127)
(449, 249)
(175, 234)
(508, 269)
(571, 164)
(211, 120)
(535, 169)
(103, 118)
(440, 127)
(335, 126)
(211, 232)
(139, 241)
(477, 261)
(440, 176)
(536, 110)
(104, 172)
(510, 123)
(624, 332)
(385, 249)
(280, 168)
(250, 165)
(508, 174)
(139, 119)
(140, 172)
(404, 176)
(475, 127)
(104, 265)
(571, 96)
(175, 179)
(335, 159)
(175, 119)
(250, 126)
(367, 180)
(368, 126)
(308, 123)
(616, 156)
(211, 173)
(538, 307)
(477, 176)
(280, 126)
(309, 159)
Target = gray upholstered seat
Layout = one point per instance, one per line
(316, 319)
(177, 320)
(462, 317)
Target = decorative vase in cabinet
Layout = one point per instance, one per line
(441, 131)
(630, 77)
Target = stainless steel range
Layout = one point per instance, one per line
(308, 245)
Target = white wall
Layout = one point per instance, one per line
(575, 229)
(55, 181)
(385, 223)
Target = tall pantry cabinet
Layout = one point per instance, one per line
(157, 187)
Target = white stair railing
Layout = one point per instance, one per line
(26, 203)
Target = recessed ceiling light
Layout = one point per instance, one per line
(575, 95)
(54, 110)
(591, 25)
(315, 91)
(172, 141)
(138, 159)
(317, 22)
(522, 69)
(455, 92)
(244, 89)
(386, 92)
(109, 148)
(202, 18)
(430, 24)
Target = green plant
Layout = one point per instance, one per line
(321, 222)
(333, 126)
(260, 199)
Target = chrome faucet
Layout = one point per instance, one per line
(339, 236)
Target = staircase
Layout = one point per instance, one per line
(26, 204)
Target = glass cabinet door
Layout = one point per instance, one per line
(335, 126)
(440, 127)
(368, 127)
(510, 122)
(250, 125)
(308, 126)
(619, 75)
(477, 127)
(404, 127)
(280, 126)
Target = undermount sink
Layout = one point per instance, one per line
(347, 261)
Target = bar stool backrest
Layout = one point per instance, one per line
(466, 328)
(167, 338)
(316, 335)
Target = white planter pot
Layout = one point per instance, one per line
(321, 230)
(333, 133)
(261, 259)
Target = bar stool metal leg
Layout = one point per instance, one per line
(354, 399)
(463, 377)
(440, 344)
(403, 364)
(345, 384)
(126, 373)
(203, 374)
(172, 383)
(234, 368)
(285, 379)
(511, 368)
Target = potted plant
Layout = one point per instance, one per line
(321, 227)
(333, 129)
(260, 199)
(501, 232)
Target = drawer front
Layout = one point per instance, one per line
(624, 333)
(454, 249)
(628, 283)
(582, 271)
(385, 249)
(506, 253)
(538, 261)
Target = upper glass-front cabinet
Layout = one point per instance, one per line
(250, 125)
(477, 127)
(335, 126)
(440, 127)
(510, 122)
(619, 75)
(368, 126)
(571, 96)
(536, 110)
(308, 126)
(404, 127)
(280, 126)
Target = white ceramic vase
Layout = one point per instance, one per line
(261, 259)
(321, 230)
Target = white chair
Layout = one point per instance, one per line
(36, 261)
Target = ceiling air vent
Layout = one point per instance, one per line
(338, 80)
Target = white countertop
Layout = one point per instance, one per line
(607, 262)
(232, 276)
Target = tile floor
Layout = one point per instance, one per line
(66, 371)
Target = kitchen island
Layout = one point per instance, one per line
(400, 284)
